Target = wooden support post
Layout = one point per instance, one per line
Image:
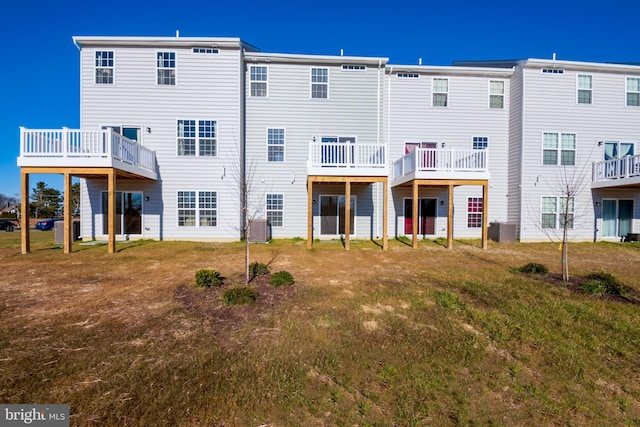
(385, 218)
(347, 214)
(111, 177)
(485, 214)
(24, 212)
(450, 218)
(414, 216)
(67, 213)
(309, 213)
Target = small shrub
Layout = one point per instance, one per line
(281, 278)
(258, 269)
(533, 268)
(205, 278)
(602, 283)
(240, 295)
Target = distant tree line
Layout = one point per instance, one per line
(45, 202)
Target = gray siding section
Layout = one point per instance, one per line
(551, 106)
(515, 147)
(353, 108)
(207, 87)
(412, 118)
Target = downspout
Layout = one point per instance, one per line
(378, 112)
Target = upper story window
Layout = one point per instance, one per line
(354, 67)
(585, 88)
(258, 79)
(496, 94)
(275, 145)
(408, 75)
(440, 92)
(166, 66)
(480, 142)
(552, 71)
(104, 67)
(197, 138)
(633, 91)
(211, 51)
(320, 83)
(559, 149)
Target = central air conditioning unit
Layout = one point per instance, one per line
(259, 231)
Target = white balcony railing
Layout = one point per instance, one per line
(435, 162)
(75, 147)
(333, 158)
(625, 167)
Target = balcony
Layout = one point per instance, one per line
(623, 172)
(347, 159)
(435, 163)
(75, 148)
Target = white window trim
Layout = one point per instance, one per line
(354, 67)
(113, 68)
(259, 81)
(266, 210)
(578, 89)
(503, 94)
(474, 213)
(197, 210)
(197, 138)
(557, 213)
(433, 92)
(626, 90)
(284, 146)
(407, 75)
(311, 82)
(559, 149)
(478, 149)
(175, 68)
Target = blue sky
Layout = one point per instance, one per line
(39, 66)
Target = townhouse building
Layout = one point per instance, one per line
(340, 147)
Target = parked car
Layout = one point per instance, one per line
(47, 224)
(7, 225)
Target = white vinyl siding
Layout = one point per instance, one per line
(258, 77)
(275, 209)
(559, 149)
(633, 91)
(585, 88)
(440, 92)
(320, 83)
(104, 67)
(166, 68)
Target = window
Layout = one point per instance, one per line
(197, 208)
(104, 67)
(200, 140)
(258, 78)
(559, 149)
(275, 145)
(557, 210)
(474, 212)
(496, 94)
(211, 51)
(585, 86)
(480, 142)
(354, 67)
(320, 83)
(275, 209)
(408, 75)
(166, 65)
(440, 92)
(552, 71)
(633, 91)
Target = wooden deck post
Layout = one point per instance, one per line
(385, 218)
(485, 214)
(309, 213)
(111, 177)
(450, 217)
(67, 213)
(414, 216)
(347, 214)
(24, 212)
